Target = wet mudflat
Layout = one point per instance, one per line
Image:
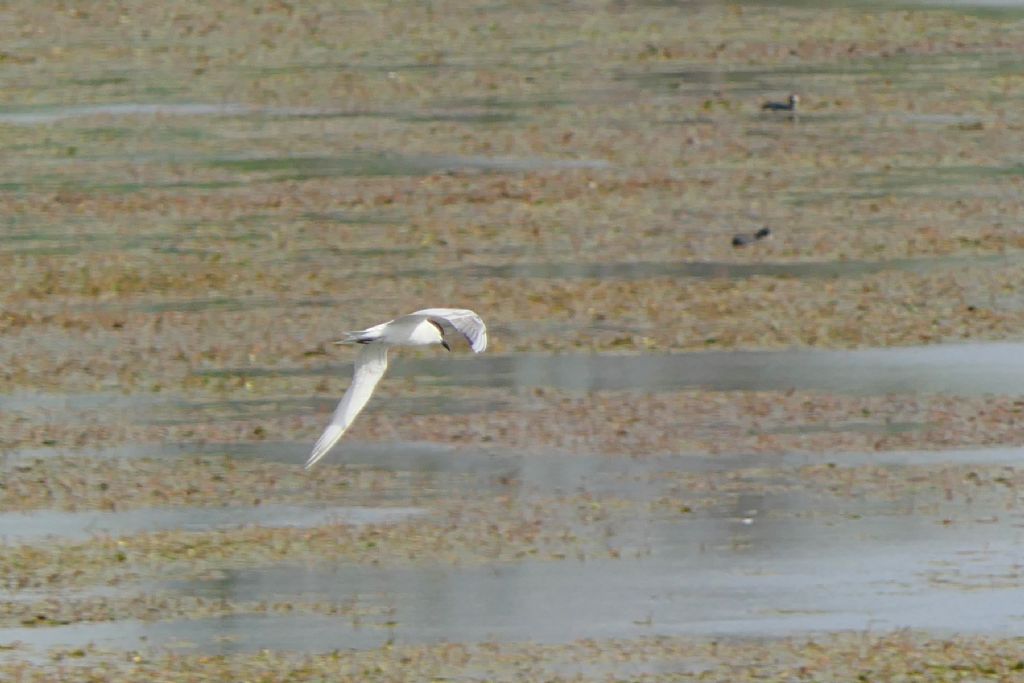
(793, 459)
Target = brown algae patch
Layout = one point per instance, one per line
(955, 488)
(77, 483)
(904, 655)
(71, 609)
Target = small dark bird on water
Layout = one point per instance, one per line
(744, 240)
(788, 105)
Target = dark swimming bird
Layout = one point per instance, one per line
(788, 105)
(744, 240)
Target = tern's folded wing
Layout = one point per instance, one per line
(369, 368)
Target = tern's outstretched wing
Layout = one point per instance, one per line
(369, 368)
(461, 320)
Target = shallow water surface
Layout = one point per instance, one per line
(961, 369)
(54, 114)
(909, 71)
(705, 577)
(776, 556)
(638, 270)
(763, 576)
(29, 526)
(390, 164)
(964, 369)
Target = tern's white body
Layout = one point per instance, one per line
(422, 328)
(405, 331)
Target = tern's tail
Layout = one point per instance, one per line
(359, 337)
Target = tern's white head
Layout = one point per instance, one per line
(420, 333)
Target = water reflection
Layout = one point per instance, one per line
(30, 526)
(391, 164)
(46, 115)
(959, 369)
(967, 369)
(775, 556)
(704, 577)
(173, 410)
(909, 71)
(55, 114)
(249, 409)
(639, 270)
